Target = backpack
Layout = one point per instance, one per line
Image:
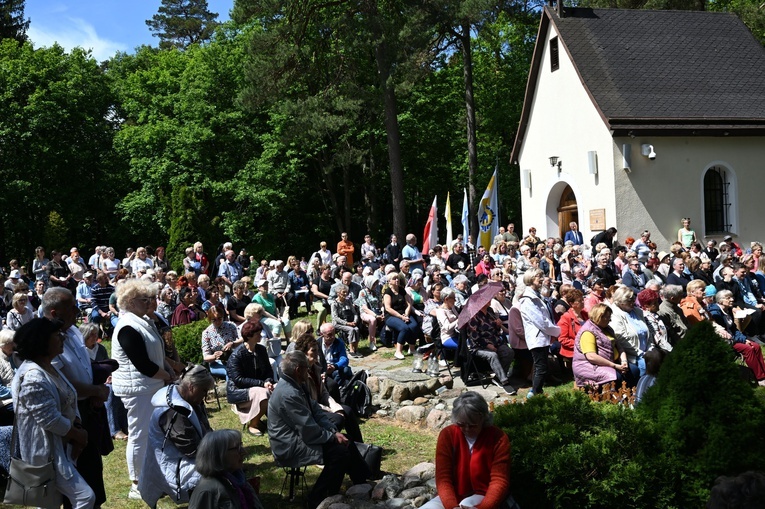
(357, 395)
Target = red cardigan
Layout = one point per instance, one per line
(486, 471)
(569, 328)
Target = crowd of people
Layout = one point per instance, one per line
(284, 336)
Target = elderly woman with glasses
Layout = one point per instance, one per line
(472, 459)
(177, 426)
(218, 341)
(220, 460)
(140, 352)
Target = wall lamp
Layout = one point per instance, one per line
(648, 151)
(555, 161)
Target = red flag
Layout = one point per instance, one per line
(430, 235)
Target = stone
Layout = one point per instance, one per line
(437, 418)
(405, 376)
(392, 487)
(334, 499)
(431, 484)
(450, 394)
(386, 388)
(421, 500)
(411, 481)
(397, 503)
(413, 492)
(360, 491)
(373, 383)
(421, 401)
(382, 413)
(433, 384)
(400, 393)
(407, 402)
(378, 492)
(423, 471)
(340, 505)
(440, 406)
(410, 414)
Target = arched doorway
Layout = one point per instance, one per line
(567, 210)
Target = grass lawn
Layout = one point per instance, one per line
(403, 447)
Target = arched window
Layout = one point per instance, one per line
(717, 200)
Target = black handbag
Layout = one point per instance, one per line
(372, 456)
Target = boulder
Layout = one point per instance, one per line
(360, 491)
(437, 419)
(334, 499)
(423, 471)
(421, 401)
(386, 388)
(373, 383)
(397, 503)
(410, 413)
(414, 492)
(400, 393)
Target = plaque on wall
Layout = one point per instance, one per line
(597, 220)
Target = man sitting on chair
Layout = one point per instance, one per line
(301, 434)
(486, 341)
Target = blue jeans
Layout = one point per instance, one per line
(115, 413)
(405, 332)
(217, 368)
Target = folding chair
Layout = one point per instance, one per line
(215, 385)
(470, 365)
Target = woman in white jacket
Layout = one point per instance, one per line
(538, 327)
(140, 351)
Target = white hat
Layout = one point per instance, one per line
(15, 274)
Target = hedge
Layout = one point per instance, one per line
(188, 341)
(699, 421)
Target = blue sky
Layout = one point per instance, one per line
(104, 26)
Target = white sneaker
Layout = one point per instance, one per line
(373, 348)
(399, 356)
(134, 494)
(442, 363)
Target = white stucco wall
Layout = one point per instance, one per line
(564, 123)
(657, 194)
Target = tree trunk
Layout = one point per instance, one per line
(394, 141)
(347, 199)
(467, 71)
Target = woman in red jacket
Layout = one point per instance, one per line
(472, 460)
(570, 322)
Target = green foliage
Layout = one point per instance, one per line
(569, 452)
(707, 413)
(12, 22)
(55, 232)
(188, 341)
(183, 225)
(56, 134)
(698, 422)
(181, 23)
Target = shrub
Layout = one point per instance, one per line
(707, 414)
(571, 452)
(188, 341)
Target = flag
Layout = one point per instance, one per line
(430, 235)
(488, 222)
(465, 218)
(448, 216)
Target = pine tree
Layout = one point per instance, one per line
(12, 22)
(181, 23)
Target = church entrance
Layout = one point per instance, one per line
(567, 210)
